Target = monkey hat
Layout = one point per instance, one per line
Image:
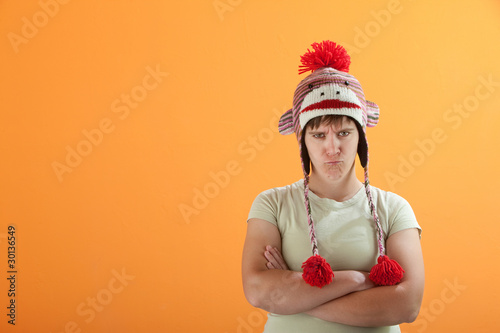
(330, 90)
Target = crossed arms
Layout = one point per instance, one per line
(351, 298)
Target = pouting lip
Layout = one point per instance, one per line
(331, 104)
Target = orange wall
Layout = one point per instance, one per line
(135, 135)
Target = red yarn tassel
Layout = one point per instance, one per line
(325, 54)
(317, 272)
(386, 272)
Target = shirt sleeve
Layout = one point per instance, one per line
(402, 216)
(264, 207)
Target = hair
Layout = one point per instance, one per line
(329, 119)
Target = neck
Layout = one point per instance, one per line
(339, 190)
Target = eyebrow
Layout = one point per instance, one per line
(348, 128)
(342, 129)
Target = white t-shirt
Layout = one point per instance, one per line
(346, 234)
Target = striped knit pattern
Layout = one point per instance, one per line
(373, 211)
(310, 222)
(372, 117)
(285, 125)
(289, 123)
(320, 77)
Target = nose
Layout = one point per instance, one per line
(332, 145)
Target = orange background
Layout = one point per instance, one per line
(143, 230)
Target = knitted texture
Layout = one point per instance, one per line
(317, 272)
(325, 54)
(331, 90)
(386, 272)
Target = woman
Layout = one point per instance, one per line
(352, 224)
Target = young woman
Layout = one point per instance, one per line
(370, 277)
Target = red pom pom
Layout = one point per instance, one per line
(386, 272)
(317, 272)
(325, 54)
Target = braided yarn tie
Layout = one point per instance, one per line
(310, 223)
(316, 270)
(387, 272)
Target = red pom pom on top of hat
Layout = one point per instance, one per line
(325, 54)
(387, 272)
(317, 272)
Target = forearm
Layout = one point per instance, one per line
(285, 292)
(380, 306)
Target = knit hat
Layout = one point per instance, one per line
(330, 90)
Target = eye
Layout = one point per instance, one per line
(344, 133)
(310, 86)
(319, 135)
(346, 83)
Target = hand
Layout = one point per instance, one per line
(274, 258)
(364, 280)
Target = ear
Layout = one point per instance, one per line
(373, 114)
(285, 124)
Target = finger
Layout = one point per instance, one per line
(278, 258)
(271, 259)
(272, 265)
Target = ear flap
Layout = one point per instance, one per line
(373, 114)
(285, 124)
(304, 155)
(362, 146)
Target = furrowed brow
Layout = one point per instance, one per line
(347, 128)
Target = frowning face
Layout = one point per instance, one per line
(332, 148)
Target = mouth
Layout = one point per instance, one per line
(331, 104)
(333, 162)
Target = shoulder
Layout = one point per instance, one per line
(387, 199)
(394, 210)
(278, 194)
(269, 204)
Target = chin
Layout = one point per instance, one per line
(333, 176)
